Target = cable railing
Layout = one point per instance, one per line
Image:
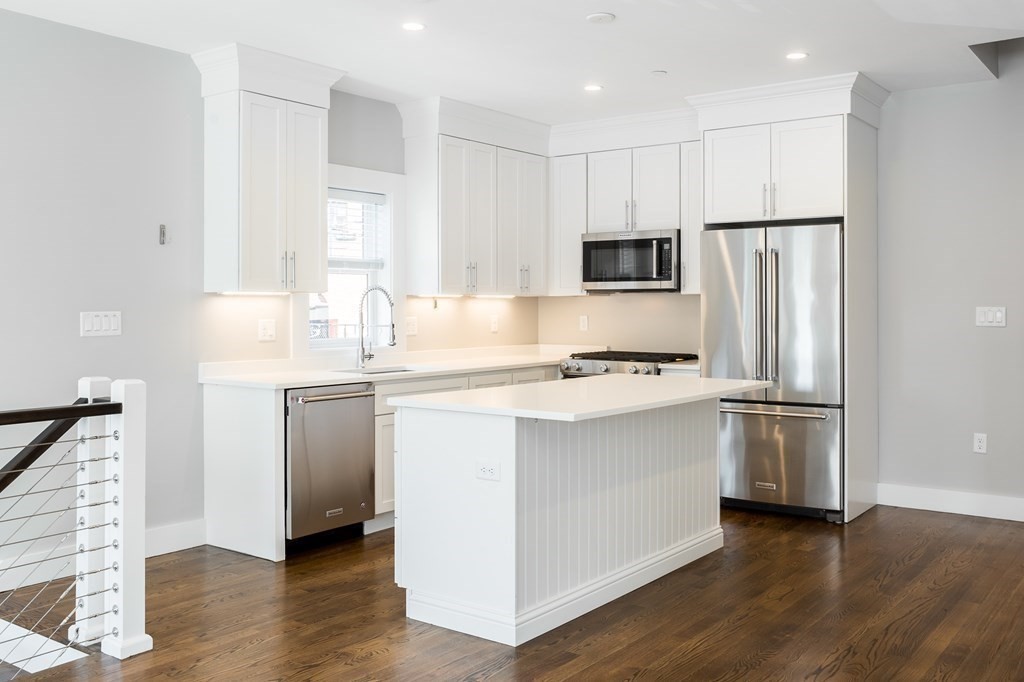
(72, 531)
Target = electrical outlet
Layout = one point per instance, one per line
(266, 330)
(981, 443)
(584, 323)
(488, 469)
(412, 327)
(494, 324)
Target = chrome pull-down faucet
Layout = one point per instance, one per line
(365, 354)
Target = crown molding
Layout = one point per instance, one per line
(443, 116)
(620, 132)
(241, 67)
(846, 93)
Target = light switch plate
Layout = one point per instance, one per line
(494, 324)
(584, 323)
(266, 330)
(412, 327)
(990, 316)
(100, 324)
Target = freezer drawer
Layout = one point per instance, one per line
(328, 458)
(784, 455)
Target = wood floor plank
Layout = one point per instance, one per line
(896, 595)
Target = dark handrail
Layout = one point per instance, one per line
(64, 418)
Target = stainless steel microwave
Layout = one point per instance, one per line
(631, 261)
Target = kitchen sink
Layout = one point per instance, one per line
(376, 370)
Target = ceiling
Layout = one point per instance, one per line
(531, 58)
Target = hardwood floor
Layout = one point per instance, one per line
(896, 595)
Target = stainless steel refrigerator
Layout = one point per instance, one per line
(772, 309)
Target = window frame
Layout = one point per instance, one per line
(392, 185)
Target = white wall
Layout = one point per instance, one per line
(660, 322)
(951, 237)
(466, 322)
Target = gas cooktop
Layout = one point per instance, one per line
(619, 362)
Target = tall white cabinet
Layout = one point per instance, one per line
(568, 222)
(265, 171)
(522, 223)
(466, 195)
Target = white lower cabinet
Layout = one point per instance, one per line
(534, 376)
(490, 380)
(384, 463)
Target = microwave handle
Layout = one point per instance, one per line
(654, 255)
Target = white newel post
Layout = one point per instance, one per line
(89, 565)
(127, 605)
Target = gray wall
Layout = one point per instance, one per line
(100, 142)
(951, 237)
(365, 133)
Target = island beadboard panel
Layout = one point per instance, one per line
(599, 499)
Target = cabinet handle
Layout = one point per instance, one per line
(775, 199)
(284, 270)
(469, 278)
(475, 275)
(293, 269)
(764, 200)
(519, 284)
(634, 214)
(528, 278)
(682, 276)
(627, 214)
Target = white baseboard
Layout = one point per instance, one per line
(952, 501)
(175, 537)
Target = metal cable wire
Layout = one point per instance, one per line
(81, 439)
(50, 490)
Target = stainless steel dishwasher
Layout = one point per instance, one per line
(328, 458)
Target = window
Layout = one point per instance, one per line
(358, 256)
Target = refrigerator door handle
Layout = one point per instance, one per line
(758, 413)
(759, 349)
(773, 372)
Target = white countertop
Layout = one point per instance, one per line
(579, 399)
(284, 375)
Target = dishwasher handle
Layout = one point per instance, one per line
(302, 400)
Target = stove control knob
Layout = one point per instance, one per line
(576, 367)
(645, 370)
(602, 368)
(633, 369)
(565, 366)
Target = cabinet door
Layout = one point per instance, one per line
(384, 463)
(568, 223)
(481, 233)
(737, 168)
(453, 198)
(691, 217)
(610, 191)
(533, 376)
(508, 218)
(306, 239)
(262, 181)
(490, 380)
(656, 187)
(807, 168)
(533, 226)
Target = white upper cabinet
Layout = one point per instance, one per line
(737, 173)
(633, 189)
(774, 171)
(568, 222)
(610, 191)
(656, 187)
(691, 217)
(466, 195)
(807, 168)
(265, 171)
(521, 223)
(265, 195)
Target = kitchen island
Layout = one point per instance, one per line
(519, 508)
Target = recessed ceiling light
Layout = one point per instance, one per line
(796, 56)
(659, 73)
(601, 18)
(413, 26)
(593, 87)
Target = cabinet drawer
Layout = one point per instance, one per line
(389, 390)
(533, 376)
(490, 380)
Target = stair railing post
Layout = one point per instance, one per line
(126, 621)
